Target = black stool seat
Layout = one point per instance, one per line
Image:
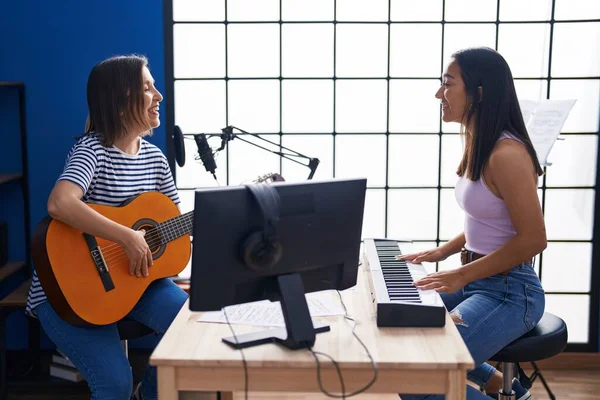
(130, 329)
(546, 340)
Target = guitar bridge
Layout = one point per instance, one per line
(99, 262)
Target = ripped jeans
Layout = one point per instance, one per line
(490, 313)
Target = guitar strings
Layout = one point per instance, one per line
(115, 254)
(175, 229)
(109, 250)
(115, 251)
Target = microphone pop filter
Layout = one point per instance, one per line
(179, 147)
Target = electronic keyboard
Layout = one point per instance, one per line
(398, 302)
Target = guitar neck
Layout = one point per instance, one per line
(176, 227)
(184, 224)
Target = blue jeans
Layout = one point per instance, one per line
(490, 313)
(97, 352)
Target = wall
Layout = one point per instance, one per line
(51, 46)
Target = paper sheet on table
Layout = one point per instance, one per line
(267, 313)
(544, 121)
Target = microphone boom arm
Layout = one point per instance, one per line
(228, 135)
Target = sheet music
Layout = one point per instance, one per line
(544, 121)
(527, 109)
(267, 313)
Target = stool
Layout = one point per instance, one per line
(547, 339)
(130, 329)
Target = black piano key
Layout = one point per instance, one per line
(404, 300)
(401, 285)
(413, 294)
(398, 279)
(402, 289)
(404, 292)
(406, 295)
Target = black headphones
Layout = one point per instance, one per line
(261, 250)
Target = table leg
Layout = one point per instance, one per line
(457, 385)
(166, 383)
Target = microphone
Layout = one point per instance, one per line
(179, 146)
(206, 154)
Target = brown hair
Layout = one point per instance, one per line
(115, 97)
(497, 111)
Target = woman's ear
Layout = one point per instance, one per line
(480, 93)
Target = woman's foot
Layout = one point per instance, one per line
(520, 392)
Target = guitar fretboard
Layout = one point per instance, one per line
(176, 227)
(183, 224)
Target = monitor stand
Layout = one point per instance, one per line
(298, 333)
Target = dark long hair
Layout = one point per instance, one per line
(497, 111)
(115, 97)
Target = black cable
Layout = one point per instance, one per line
(373, 363)
(337, 368)
(315, 354)
(242, 352)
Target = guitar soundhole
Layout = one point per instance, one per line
(153, 236)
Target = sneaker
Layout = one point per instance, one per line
(520, 392)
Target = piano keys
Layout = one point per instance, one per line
(397, 301)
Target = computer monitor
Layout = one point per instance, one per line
(318, 228)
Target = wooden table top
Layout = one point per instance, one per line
(198, 344)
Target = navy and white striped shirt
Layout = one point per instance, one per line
(109, 176)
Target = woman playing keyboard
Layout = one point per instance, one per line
(495, 296)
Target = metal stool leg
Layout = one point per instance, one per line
(508, 372)
(125, 348)
(535, 374)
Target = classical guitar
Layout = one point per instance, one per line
(86, 278)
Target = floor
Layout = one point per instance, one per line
(566, 385)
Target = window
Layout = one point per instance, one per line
(352, 83)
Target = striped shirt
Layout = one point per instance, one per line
(109, 176)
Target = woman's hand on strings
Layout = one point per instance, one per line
(140, 257)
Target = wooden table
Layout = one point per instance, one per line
(191, 357)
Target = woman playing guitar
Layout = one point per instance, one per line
(109, 164)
